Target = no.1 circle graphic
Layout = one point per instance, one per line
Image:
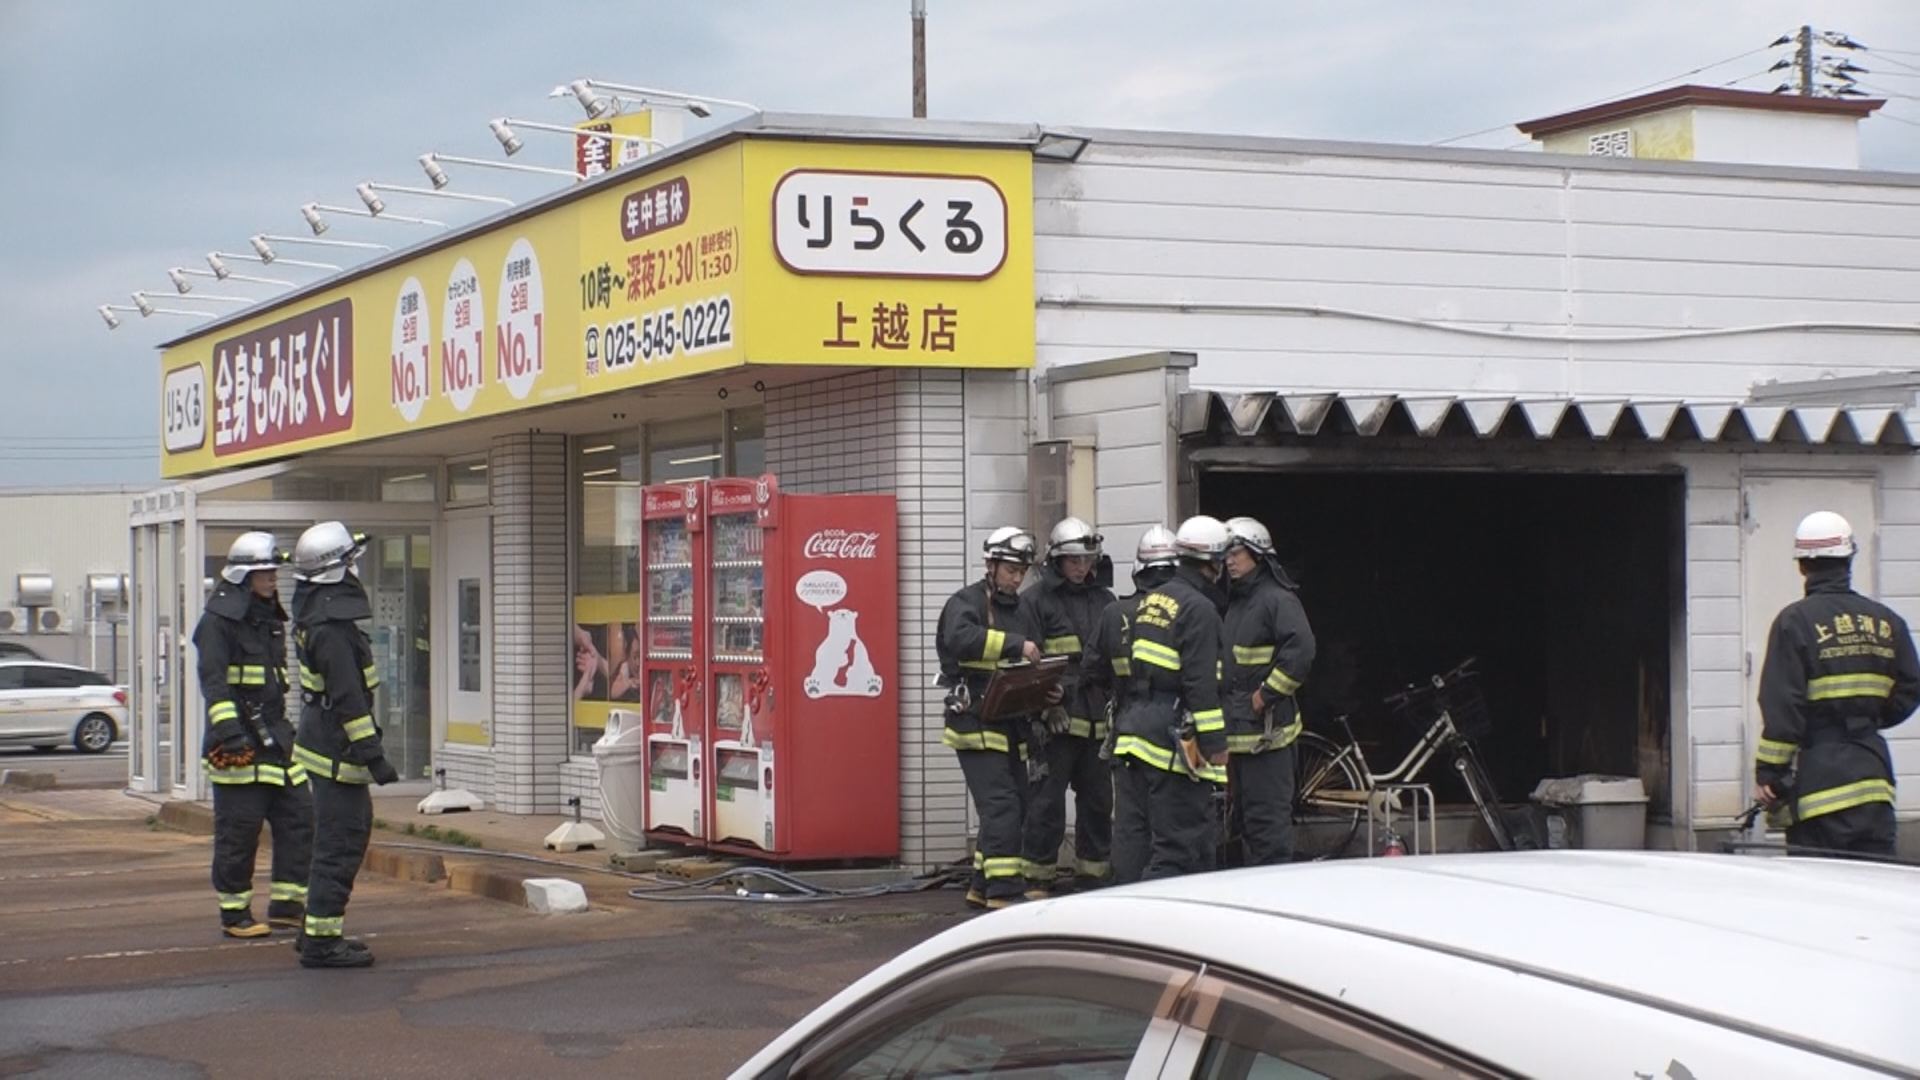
(520, 335)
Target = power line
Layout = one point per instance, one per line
(1898, 64)
(1621, 94)
(1890, 93)
(1876, 50)
(1897, 118)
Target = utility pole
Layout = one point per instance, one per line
(1806, 61)
(920, 59)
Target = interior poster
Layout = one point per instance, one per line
(605, 670)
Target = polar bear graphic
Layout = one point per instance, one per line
(835, 672)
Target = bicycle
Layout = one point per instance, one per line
(1334, 784)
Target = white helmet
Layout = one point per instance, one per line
(1823, 534)
(1158, 547)
(253, 551)
(325, 553)
(1202, 538)
(1073, 537)
(1010, 544)
(1249, 534)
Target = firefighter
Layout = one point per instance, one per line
(1108, 661)
(1170, 750)
(982, 625)
(241, 642)
(1267, 652)
(1840, 669)
(1069, 595)
(339, 742)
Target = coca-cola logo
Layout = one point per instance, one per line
(840, 544)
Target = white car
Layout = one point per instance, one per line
(1559, 964)
(46, 705)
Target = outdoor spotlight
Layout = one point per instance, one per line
(699, 110)
(219, 266)
(145, 305)
(261, 248)
(508, 140)
(374, 203)
(180, 283)
(314, 221)
(113, 321)
(435, 174)
(596, 107)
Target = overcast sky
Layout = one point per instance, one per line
(139, 135)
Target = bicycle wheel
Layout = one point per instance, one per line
(1326, 803)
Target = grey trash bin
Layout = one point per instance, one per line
(1601, 812)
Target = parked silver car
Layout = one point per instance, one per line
(46, 705)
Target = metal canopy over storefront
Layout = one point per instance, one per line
(1611, 418)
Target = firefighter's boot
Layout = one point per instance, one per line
(334, 953)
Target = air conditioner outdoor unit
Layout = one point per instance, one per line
(10, 620)
(49, 620)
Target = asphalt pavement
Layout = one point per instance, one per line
(111, 965)
(70, 767)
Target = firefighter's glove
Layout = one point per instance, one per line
(1056, 719)
(222, 758)
(383, 771)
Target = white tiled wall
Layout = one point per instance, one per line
(907, 432)
(527, 478)
(469, 767)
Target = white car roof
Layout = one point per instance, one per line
(1819, 952)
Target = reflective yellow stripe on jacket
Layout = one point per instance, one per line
(1152, 652)
(1845, 797)
(1249, 744)
(246, 675)
(346, 772)
(1281, 683)
(975, 740)
(221, 711)
(1775, 752)
(1148, 753)
(1062, 646)
(1253, 655)
(1835, 687)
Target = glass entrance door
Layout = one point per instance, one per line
(397, 571)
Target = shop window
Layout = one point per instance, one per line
(407, 485)
(684, 450)
(466, 483)
(747, 439)
(606, 601)
(470, 627)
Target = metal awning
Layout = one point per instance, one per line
(1617, 419)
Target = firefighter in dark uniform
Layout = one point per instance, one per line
(1840, 669)
(983, 625)
(241, 643)
(1107, 663)
(1170, 750)
(1267, 652)
(339, 742)
(1068, 594)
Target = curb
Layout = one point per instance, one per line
(494, 883)
(187, 817)
(422, 867)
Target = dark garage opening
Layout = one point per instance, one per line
(1564, 586)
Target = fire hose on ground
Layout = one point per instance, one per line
(660, 888)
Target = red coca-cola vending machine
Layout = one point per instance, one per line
(801, 614)
(672, 609)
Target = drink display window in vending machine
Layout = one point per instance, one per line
(675, 662)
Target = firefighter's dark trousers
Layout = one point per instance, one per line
(1071, 761)
(1262, 787)
(997, 781)
(343, 820)
(1864, 830)
(1163, 823)
(238, 810)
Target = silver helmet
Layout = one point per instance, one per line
(1158, 547)
(325, 553)
(252, 551)
(1073, 537)
(1201, 538)
(1249, 534)
(1010, 544)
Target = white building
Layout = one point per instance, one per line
(1551, 411)
(63, 568)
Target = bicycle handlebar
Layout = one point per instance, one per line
(1434, 684)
